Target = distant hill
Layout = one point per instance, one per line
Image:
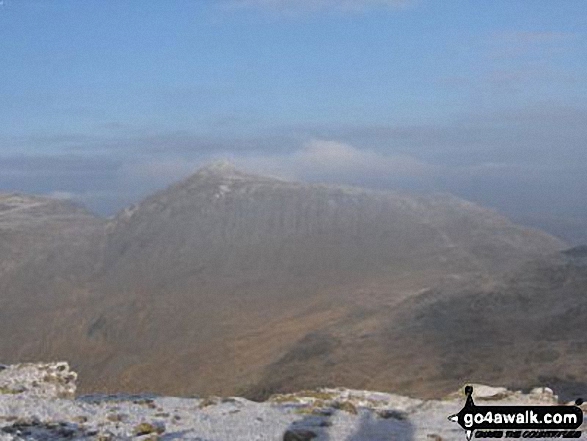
(527, 328)
(48, 252)
(572, 229)
(238, 283)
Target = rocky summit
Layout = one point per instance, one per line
(37, 403)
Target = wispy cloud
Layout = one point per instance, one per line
(325, 161)
(527, 65)
(334, 161)
(526, 37)
(305, 6)
(539, 148)
(520, 44)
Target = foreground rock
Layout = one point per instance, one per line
(40, 380)
(36, 403)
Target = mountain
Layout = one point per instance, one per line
(525, 328)
(522, 328)
(238, 283)
(48, 250)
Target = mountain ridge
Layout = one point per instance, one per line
(240, 282)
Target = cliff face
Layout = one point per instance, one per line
(36, 403)
(239, 283)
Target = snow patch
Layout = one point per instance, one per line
(37, 402)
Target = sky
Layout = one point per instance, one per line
(105, 101)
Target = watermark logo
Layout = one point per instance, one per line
(518, 421)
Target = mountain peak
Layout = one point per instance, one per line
(224, 171)
(222, 167)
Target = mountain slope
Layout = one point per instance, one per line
(243, 283)
(524, 328)
(527, 328)
(48, 250)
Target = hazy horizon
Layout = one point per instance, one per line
(104, 102)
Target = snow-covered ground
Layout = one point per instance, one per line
(37, 403)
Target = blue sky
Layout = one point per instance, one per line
(104, 101)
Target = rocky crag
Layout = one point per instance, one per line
(37, 402)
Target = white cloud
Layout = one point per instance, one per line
(297, 6)
(334, 161)
(316, 161)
